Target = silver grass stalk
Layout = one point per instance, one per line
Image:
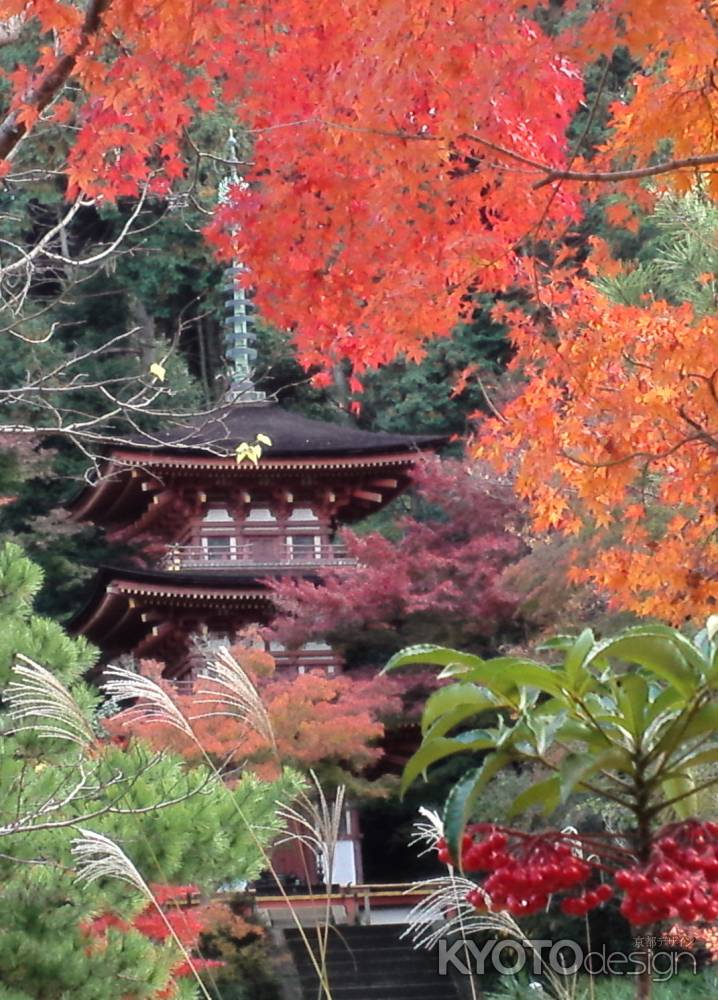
(445, 912)
(232, 686)
(99, 857)
(39, 695)
(318, 823)
(427, 831)
(154, 706)
(157, 707)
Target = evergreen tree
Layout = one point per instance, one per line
(677, 259)
(51, 787)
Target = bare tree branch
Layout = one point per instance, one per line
(11, 29)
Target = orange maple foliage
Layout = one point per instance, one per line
(314, 718)
(392, 194)
(373, 127)
(404, 153)
(674, 95)
(403, 150)
(617, 427)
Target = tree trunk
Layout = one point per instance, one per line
(11, 29)
(202, 354)
(145, 339)
(644, 983)
(340, 392)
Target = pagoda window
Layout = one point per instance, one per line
(303, 514)
(261, 537)
(219, 548)
(218, 536)
(304, 536)
(304, 548)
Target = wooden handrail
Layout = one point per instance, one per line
(254, 554)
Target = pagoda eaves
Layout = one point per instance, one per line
(375, 465)
(209, 531)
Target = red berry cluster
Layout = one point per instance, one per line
(680, 879)
(482, 848)
(523, 871)
(579, 906)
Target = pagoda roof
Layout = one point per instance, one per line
(207, 446)
(291, 434)
(114, 618)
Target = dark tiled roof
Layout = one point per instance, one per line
(107, 575)
(290, 433)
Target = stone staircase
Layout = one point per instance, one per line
(371, 963)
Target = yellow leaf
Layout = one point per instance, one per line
(251, 452)
(263, 439)
(159, 371)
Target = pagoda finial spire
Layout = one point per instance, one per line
(239, 332)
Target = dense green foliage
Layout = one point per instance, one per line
(52, 787)
(642, 704)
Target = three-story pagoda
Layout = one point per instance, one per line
(211, 524)
(210, 530)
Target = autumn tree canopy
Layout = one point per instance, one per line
(313, 719)
(401, 156)
(439, 579)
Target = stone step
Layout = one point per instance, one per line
(387, 938)
(442, 989)
(407, 977)
(371, 963)
(376, 961)
(363, 930)
(337, 945)
(380, 968)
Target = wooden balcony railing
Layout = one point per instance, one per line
(255, 554)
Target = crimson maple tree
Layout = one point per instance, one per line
(441, 578)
